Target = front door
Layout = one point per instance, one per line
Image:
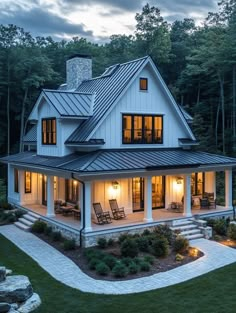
(138, 193)
(44, 190)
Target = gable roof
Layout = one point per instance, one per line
(108, 88)
(31, 136)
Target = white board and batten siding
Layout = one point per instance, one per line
(153, 101)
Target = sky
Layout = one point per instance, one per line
(95, 20)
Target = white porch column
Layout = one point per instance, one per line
(50, 196)
(148, 199)
(228, 189)
(21, 186)
(81, 203)
(187, 195)
(87, 195)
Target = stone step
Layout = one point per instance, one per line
(184, 227)
(35, 215)
(30, 218)
(190, 232)
(196, 236)
(22, 226)
(25, 221)
(178, 223)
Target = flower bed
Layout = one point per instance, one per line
(224, 231)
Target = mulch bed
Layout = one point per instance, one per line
(160, 264)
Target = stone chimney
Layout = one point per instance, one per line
(78, 69)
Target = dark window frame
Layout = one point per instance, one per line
(30, 177)
(195, 183)
(142, 141)
(75, 192)
(49, 134)
(16, 180)
(140, 84)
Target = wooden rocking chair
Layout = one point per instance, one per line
(103, 217)
(117, 212)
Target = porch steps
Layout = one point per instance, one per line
(187, 229)
(26, 222)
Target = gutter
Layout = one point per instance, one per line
(83, 209)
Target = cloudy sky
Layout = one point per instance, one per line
(95, 20)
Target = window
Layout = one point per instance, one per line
(49, 131)
(197, 184)
(16, 180)
(142, 129)
(72, 191)
(143, 84)
(27, 182)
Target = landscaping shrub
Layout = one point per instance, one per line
(164, 231)
(127, 261)
(93, 263)
(179, 257)
(120, 270)
(39, 227)
(69, 244)
(129, 248)
(210, 222)
(146, 232)
(144, 266)
(137, 260)
(19, 213)
(232, 231)
(149, 258)
(123, 237)
(48, 230)
(160, 247)
(220, 227)
(102, 269)
(180, 244)
(110, 242)
(11, 218)
(110, 261)
(56, 236)
(102, 243)
(133, 268)
(143, 243)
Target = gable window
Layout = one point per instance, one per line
(142, 129)
(143, 84)
(16, 180)
(28, 179)
(49, 131)
(72, 191)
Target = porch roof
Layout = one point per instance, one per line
(122, 160)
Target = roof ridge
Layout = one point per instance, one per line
(67, 91)
(93, 158)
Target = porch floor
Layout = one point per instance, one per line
(159, 215)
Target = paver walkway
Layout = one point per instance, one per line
(65, 271)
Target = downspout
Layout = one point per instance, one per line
(83, 208)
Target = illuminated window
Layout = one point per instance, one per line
(197, 183)
(27, 182)
(16, 180)
(142, 129)
(49, 131)
(143, 84)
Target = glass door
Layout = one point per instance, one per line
(138, 194)
(158, 192)
(44, 190)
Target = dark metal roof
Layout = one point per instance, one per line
(187, 141)
(122, 160)
(69, 103)
(107, 89)
(186, 115)
(31, 136)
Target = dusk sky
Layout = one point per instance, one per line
(95, 20)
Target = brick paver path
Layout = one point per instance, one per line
(65, 271)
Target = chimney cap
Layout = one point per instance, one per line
(79, 55)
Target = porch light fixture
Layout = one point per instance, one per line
(115, 184)
(179, 180)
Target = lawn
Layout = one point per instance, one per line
(214, 292)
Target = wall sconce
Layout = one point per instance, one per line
(179, 180)
(115, 184)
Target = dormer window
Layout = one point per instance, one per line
(142, 129)
(49, 133)
(143, 84)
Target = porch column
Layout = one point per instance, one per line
(87, 196)
(21, 186)
(187, 195)
(228, 189)
(148, 199)
(81, 203)
(50, 196)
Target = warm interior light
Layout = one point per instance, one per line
(115, 184)
(75, 182)
(179, 180)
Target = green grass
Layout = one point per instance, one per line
(214, 292)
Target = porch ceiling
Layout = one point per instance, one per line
(104, 161)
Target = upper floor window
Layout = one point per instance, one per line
(49, 133)
(142, 129)
(143, 84)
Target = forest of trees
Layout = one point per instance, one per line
(197, 63)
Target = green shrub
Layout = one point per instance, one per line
(127, 261)
(129, 248)
(217, 237)
(39, 227)
(210, 222)
(232, 231)
(93, 263)
(143, 243)
(56, 236)
(5, 205)
(164, 231)
(120, 270)
(123, 237)
(137, 260)
(149, 258)
(133, 268)
(11, 218)
(102, 243)
(110, 242)
(102, 269)
(179, 257)
(180, 244)
(69, 244)
(48, 230)
(144, 266)
(110, 261)
(160, 247)
(146, 232)
(220, 227)
(91, 253)
(19, 213)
